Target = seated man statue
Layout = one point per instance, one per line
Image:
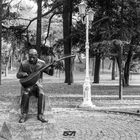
(33, 64)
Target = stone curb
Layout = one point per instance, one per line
(95, 96)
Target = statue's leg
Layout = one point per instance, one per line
(24, 105)
(41, 104)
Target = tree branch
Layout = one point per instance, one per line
(50, 25)
(100, 20)
(23, 19)
(45, 14)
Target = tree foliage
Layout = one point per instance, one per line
(113, 20)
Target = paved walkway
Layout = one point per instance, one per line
(74, 124)
(99, 123)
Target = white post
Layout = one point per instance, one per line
(87, 85)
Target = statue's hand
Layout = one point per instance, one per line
(53, 64)
(24, 74)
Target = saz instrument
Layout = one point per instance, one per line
(33, 77)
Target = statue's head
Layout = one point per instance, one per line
(33, 56)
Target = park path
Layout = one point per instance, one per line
(71, 123)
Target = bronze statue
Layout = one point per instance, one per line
(33, 86)
(30, 75)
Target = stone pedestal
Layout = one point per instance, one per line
(32, 114)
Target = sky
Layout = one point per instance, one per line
(26, 3)
(29, 13)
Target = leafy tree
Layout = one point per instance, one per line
(0, 37)
(116, 19)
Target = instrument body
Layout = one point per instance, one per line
(33, 77)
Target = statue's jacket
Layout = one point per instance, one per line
(26, 67)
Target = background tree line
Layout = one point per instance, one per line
(113, 34)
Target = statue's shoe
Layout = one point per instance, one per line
(41, 118)
(23, 118)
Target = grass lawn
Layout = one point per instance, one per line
(55, 86)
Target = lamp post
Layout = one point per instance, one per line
(89, 15)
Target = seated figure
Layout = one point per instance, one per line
(27, 67)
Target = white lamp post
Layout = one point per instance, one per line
(89, 15)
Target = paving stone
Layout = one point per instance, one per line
(5, 132)
(86, 125)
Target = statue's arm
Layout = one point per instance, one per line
(49, 70)
(21, 73)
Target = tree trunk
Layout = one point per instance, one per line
(97, 68)
(113, 69)
(0, 38)
(119, 61)
(12, 60)
(116, 66)
(103, 65)
(93, 66)
(38, 33)
(127, 67)
(7, 65)
(67, 22)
